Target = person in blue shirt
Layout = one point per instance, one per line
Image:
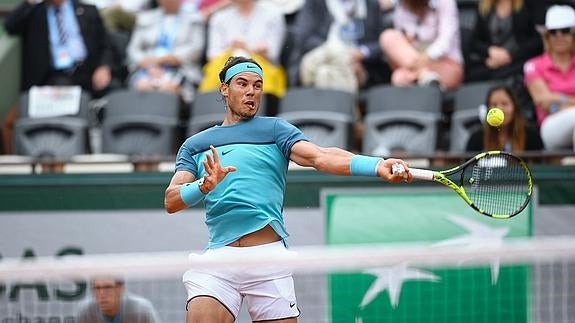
(238, 169)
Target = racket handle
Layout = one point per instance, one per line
(417, 173)
(422, 174)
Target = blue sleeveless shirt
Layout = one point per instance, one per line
(251, 197)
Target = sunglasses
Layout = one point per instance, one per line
(563, 31)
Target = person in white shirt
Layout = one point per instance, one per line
(165, 50)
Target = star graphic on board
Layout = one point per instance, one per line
(479, 235)
(391, 279)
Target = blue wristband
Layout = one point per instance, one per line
(190, 193)
(364, 165)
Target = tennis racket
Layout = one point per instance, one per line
(494, 183)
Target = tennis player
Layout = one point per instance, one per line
(238, 170)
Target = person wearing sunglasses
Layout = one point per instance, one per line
(550, 79)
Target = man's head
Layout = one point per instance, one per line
(108, 294)
(242, 87)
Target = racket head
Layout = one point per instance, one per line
(497, 184)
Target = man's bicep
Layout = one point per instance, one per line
(304, 153)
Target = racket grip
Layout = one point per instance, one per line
(422, 174)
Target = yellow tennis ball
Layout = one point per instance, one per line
(495, 117)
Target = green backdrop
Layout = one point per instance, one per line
(403, 293)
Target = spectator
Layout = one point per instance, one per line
(64, 42)
(165, 50)
(505, 37)
(550, 79)
(111, 303)
(246, 28)
(424, 45)
(338, 45)
(120, 15)
(514, 135)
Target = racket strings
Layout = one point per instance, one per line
(498, 184)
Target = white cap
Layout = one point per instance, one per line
(559, 16)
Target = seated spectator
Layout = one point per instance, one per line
(338, 45)
(424, 45)
(505, 37)
(514, 135)
(251, 29)
(61, 47)
(111, 303)
(550, 79)
(165, 50)
(120, 15)
(64, 42)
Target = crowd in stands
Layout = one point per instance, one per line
(178, 46)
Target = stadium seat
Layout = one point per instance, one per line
(56, 137)
(324, 116)
(465, 117)
(401, 119)
(140, 123)
(208, 110)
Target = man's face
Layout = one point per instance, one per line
(244, 94)
(108, 294)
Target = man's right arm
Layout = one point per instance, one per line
(172, 200)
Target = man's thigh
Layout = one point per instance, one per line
(271, 300)
(206, 309)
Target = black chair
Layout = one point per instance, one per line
(324, 116)
(401, 119)
(57, 137)
(140, 123)
(465, 118)
(208, 110)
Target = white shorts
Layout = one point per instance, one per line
(269, 292)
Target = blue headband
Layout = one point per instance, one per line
(241, 68)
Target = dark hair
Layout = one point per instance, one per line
(516, 129)
(418, 7)
(117, 280)
(233, 60)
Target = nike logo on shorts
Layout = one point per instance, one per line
(291, 304)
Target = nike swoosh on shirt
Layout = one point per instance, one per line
(226, 152)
